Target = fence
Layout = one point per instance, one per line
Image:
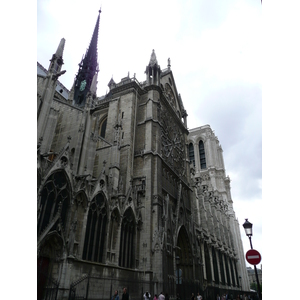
(47, 287)
(99, 288)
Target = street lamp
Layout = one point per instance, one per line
(248, 230)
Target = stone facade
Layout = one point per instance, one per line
(127, 195)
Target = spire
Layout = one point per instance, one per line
(153, 71)
(56, 61)
(60, 48)
(88, 67)
(153, 60)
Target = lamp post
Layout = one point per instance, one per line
(248, 230)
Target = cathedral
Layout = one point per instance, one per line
(127, 196)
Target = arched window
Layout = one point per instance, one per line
(202, 155)
(216, 272)
(207, 263)
(103, 128)
(232, 272)
(227, 270)
(56, 192)
(126, 254)
(191, 154)
(95, 230)
(222, 267)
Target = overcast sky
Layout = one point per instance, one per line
(215, 52)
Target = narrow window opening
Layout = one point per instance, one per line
(202, 155)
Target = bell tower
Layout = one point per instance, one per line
(88, 69)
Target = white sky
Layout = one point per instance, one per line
(216, 58)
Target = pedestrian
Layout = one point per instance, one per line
(147, 296)
(155, 297)
(199, 297)
(193, 296)
(125, 295)
(161, 296)
(115, 296)
(218, 297)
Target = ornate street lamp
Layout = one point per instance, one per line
(248, 230)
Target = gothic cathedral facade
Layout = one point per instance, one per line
(127, 195)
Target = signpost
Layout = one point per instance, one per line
(253, 257)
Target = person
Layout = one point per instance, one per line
(155, 297)
(125, 295)
(147, 296)
(115, 296)
(218, 297)
(193, 296)
(199, 297)
(161, 296)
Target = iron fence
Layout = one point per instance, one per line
(92, 287)
(47, 287)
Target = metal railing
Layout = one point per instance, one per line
(47, 287)
(91, 287)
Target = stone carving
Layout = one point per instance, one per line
(157, 240)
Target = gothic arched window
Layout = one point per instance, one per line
(207, 263)
(227, 270)
(95, 230)
(126, 254)
(202, 155)
(232, 272)
(56, 193)
(222, 267)
(191, 154)
(215, 265)
(103, 127)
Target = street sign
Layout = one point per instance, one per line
(253, 257)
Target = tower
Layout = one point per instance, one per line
(88, 69)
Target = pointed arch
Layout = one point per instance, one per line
(185, 254)
(127, 239)
(55, 195)
(232, 272)
(227, 270)
(95, 230)
(215, 265)
(207, 263)
(222, 267)
(102, 127)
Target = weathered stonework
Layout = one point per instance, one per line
(123, 175)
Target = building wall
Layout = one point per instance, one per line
(141, 170)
